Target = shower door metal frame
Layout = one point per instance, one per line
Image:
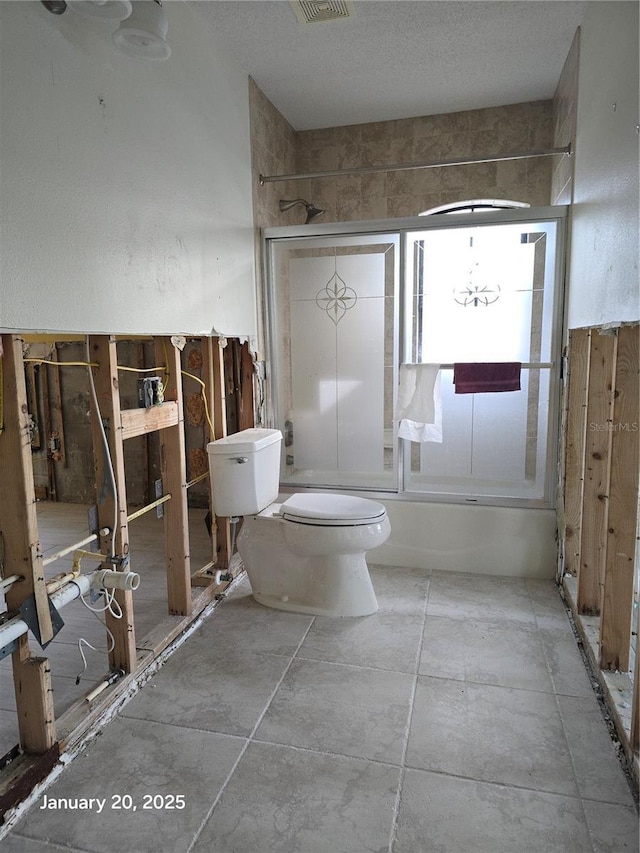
(273, 392)
(403, 227)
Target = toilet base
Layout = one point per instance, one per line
(336, 585)
(293, 607)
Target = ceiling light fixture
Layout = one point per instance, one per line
(144, 33)
(56, 7)
(105, 10)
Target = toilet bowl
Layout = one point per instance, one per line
(306, 554)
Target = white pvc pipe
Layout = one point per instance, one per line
(7, 582)
(116, 580)
(16, 627)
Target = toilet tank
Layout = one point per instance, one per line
(245, 471)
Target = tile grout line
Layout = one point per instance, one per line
(312, 750)
(506, 785)
(249, 740)
(47, 845)
(401, 776)
(556, 700)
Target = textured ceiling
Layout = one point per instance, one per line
(397, 58)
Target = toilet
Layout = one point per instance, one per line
(306, 554)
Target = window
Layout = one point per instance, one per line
(473, 205)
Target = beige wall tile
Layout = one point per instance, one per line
(564, 124)
(278, 149)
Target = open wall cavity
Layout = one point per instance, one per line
(600, 523)
(31, 581)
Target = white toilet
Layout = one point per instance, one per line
(307, 554)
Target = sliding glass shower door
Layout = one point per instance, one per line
(333, 311)
(346, 309)
(485, 294)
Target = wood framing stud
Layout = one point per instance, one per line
(596, 472)
(112, 508)
(246, 415)
(18, 520)
(222, 538)
(22, 555)
(579, 347)
(174, 482)
(616, 617)
(34, 700)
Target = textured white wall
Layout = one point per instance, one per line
(125, 184)
(603, 273)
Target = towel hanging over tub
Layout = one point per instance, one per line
(480, 377)
(419, 405)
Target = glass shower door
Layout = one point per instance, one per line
(486, 294)
(333, 311)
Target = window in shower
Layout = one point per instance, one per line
(333, 311)
(346, 309)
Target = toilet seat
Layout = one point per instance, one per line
(328, 510)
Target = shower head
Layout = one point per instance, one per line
(313, 212)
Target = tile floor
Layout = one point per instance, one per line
(458, 719)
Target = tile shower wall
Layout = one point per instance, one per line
(390, 194)
(565, 103)
(274, 146)
(278, 149)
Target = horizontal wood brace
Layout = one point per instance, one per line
(142, 421)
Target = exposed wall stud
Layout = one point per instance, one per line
(103, 351)
(596, 472)
(214, 361)
(174, 481)
(579, 348)
(615, 622)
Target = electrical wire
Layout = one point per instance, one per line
(112, 605)
(143, 369)
(204, 397)
(61, 363)
(111, 600)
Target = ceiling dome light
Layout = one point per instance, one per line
(144, 33)
(106, 10)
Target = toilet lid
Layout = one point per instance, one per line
(331, 510)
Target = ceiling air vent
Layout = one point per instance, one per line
(312, 11)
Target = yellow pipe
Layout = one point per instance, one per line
(148, 507)
(197, 479)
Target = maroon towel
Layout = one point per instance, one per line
(479, 377)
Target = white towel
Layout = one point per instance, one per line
(419, 405)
